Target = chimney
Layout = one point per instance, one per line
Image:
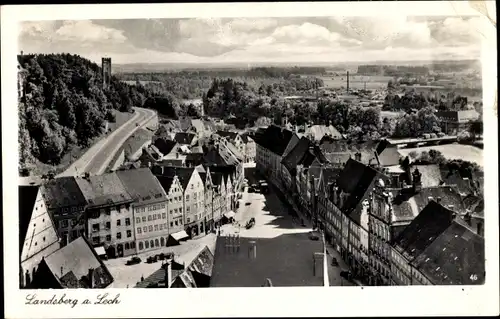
(168, 274)
(91, 277)
(357, 156)
(417, 182)
(347, 81)
(318, 264)
(252, 250)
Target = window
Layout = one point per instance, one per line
(96, 239)
(170, 212)
(118, 222)
(139, 230)
(95, 227)
(138, 220)
(108, 237)
(64, 223)
(163, 215)
(143, 219)
(180, 210)
(162, 206)
(188, 210)
(156, 227)
(150, 228)
(74, 234)
(195, 196)
(187, 197)
(172, 224)
(119, 235)
(149, 218)
(127, 221)
(161, 226)
(152, 243)
(132, 245)
(145, 229)
(73, 222)
(108, 225)
(188, 220)
(147, 244)
(129, 233)
(127, 246)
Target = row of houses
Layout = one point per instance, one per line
(122, 213)
(381, 212)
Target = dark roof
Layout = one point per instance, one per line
(78, 257)
(351, 175)
(217, 155)
(230, 136)
(275, 139)
(165, 146)
(184, 138)
(304, 153)
(193, 159)
(465, 184)
(159, 276)
(165, 182)
(142, 185)
(426, 227)
(62, 192)
(27, 200)
(183, 173)
(104, 190)
(407, 204)
(455, 257)
(246, 137)
(216, 177)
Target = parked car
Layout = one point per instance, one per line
(133, 261)
(440, 134)
(151, 259)
(248, 203)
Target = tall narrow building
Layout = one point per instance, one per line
(106, 72)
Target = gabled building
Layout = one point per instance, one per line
(193, 196)
(219, 201)
(66, 204)
(437, 248)
(73, 266)
(149, 224)
(206, 177)
(109, 214)
(38, 236)
(453, 122)
(317, 132)
(249, 148)
(272, 145)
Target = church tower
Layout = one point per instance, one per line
(106, 72)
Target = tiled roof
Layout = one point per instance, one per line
(183, 173)
(62, 192)
(389, 156)
(455, 257)
(159, 275)
(427, 226)
(234, 150)
(78, 257)
(203, 263)
(317, 132)
(303, 153)
(165, 146)
(216, 178)
(104, 190)
(465, 184)
(407, 204)
(142, 185)
(27, 200)
(275, 139)
(184, 138)
(366, 149)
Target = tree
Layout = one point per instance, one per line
(263, 121)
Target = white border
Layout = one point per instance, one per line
(245, 302)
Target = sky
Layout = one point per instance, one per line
(264, 40)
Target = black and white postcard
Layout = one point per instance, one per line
(343, 154)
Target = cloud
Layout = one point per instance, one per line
(257, 39)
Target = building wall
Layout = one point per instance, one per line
(380, 236)
(151, 225)
(209, 213)
(400, 269)
(112, 226)
(69, 222)
(41, 240)
(175, 207)
(194, 204)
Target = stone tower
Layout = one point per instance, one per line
(106, 72)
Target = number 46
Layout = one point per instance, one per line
(473, 277)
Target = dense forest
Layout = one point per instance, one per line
(192, 84)
(62, 103)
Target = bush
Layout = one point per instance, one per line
(111, 117)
